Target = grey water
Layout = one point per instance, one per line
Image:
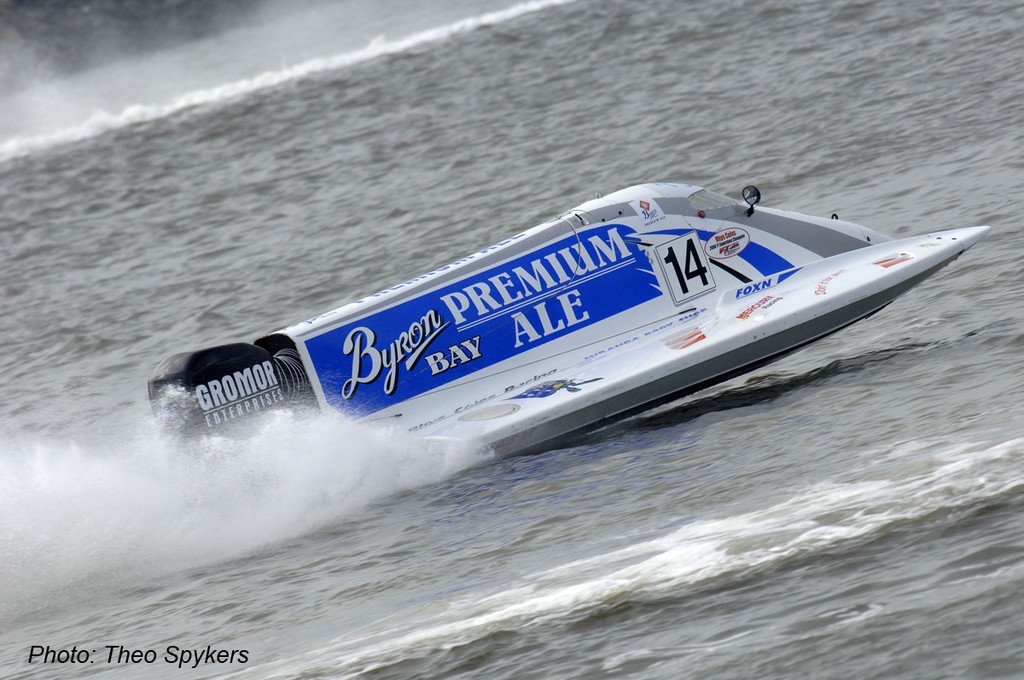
(855, 510)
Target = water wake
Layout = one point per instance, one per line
(886, 494)
(101, 121)
(74, 518)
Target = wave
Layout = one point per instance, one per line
(943, 477)
(101, 122)
(74, 519)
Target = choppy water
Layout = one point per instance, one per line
(853, 511)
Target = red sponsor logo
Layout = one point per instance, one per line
(764, 303)
(893, 261)
(685, 339)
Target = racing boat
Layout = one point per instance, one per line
(626, 302)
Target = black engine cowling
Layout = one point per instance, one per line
(221, 388)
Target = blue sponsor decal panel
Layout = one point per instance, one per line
(764, 284)
(485, 318)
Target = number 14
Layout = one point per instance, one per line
(688, 278)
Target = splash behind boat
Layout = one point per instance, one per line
(623, 303)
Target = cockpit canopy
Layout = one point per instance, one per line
(709, 200)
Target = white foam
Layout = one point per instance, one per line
(100, 121)
(70, 517)
(822, 516)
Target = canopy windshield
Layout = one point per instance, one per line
(709, 200)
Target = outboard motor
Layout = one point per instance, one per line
(219, 389)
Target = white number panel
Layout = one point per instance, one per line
(685, 266)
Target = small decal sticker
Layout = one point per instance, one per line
(822, 287)
(650, 212)
(762, 304)
(727, 243)
(546, 389)
(893, 261)
(685, 339)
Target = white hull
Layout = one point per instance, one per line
(625, 302)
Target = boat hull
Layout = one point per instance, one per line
(621, 304)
